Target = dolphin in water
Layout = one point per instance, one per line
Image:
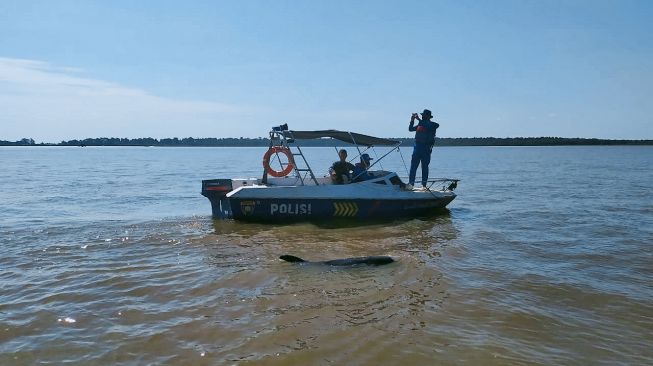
(378, 260)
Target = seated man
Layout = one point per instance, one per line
(360, 169)
(341, 170)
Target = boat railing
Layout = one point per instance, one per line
(443, 184)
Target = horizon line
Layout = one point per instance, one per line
(267, 138)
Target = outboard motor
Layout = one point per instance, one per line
(216, 191)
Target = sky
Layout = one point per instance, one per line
(122, 68)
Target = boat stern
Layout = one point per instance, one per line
(216, 191)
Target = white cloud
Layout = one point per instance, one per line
(50, 104)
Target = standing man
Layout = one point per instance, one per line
(424, 140)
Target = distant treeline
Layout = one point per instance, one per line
(244, 142)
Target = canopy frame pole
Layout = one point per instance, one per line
(386, 154)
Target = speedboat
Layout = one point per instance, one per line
(295, 193)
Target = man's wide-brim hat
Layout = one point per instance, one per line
(426, 112)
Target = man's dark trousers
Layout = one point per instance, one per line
(421, 154)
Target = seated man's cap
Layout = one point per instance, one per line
(365, 157)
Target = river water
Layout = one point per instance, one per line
(109, 256)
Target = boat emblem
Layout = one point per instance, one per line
(347, 209)
(247, 207)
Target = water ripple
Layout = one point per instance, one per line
(540, 260)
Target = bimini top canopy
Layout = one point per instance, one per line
(350, 137)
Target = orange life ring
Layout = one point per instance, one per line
(276, 150)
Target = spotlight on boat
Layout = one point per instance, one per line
(283, 127)
(452, 186)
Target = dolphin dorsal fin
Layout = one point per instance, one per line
(291, 258)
